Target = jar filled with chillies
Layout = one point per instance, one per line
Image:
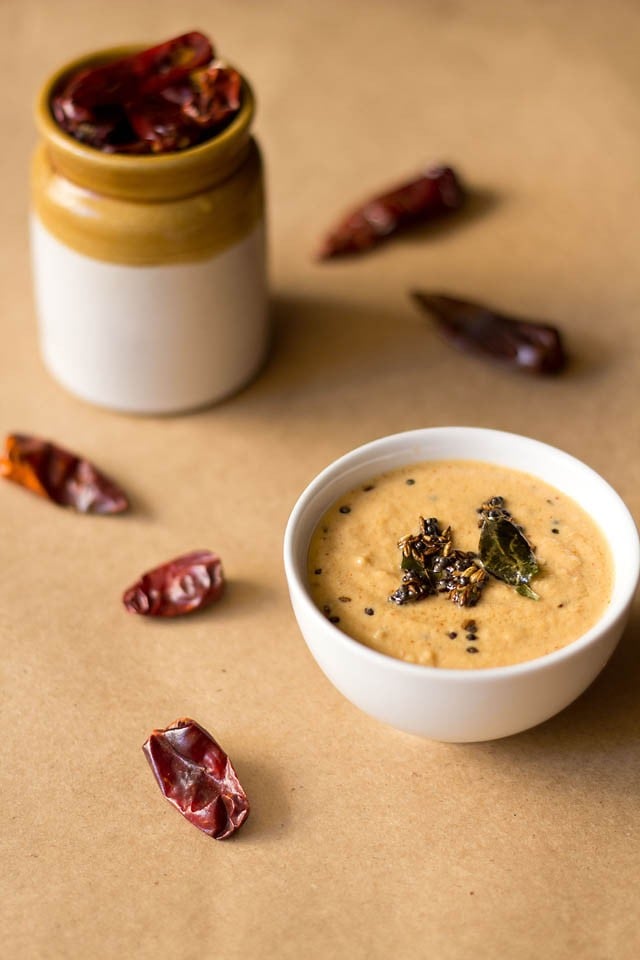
(148, 233)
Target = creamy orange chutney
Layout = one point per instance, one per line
(354, 566)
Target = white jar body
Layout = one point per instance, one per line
(151, 339)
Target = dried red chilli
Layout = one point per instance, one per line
(513, 342)
(197, 777)
(60, 476)
(166, 98)
(211, 97)
(184, 584)
(434, 193)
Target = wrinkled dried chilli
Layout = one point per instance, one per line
(187, 583)
(197, 777)
(520, 344)
(166, 98)
(429, 196)
(60, 476)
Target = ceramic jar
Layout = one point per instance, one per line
(149, 270)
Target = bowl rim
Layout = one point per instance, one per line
(615, 609)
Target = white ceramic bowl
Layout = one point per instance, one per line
(462, 705)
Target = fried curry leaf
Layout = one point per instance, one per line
(507, 554)
(525, 591)
(415, 566)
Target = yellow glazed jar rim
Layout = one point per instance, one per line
(162, 176)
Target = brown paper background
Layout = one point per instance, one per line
(362, 842)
